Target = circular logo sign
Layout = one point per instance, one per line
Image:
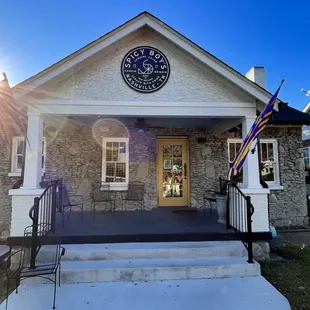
(145, 69)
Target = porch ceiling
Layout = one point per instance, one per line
(155, 122)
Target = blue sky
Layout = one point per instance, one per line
(275, 34)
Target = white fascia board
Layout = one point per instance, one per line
(143, 108)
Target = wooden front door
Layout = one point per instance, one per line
(172, 172)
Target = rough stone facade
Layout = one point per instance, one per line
(76, 155)
(288, 207)
(11, 124)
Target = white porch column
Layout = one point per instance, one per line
(251, 165)
(251, 183)
(33, 162)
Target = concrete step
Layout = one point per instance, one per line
(155, 269)
(252, 293)
(156, 250)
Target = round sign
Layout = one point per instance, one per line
(145, 69)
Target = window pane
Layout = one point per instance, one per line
(270, 152)
(268, 171)
(43, 162)
(263, 147)
(306, 152)
(307, 166)
(122, 147)
(115, 151)
(231, 151)
(20, 147)
(108, 151)
(19, 163)
(238, 147)
(110, 169)
(120, 175)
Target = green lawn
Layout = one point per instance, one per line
(291, 278)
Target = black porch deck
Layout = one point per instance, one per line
(158, 225)
(157, 221)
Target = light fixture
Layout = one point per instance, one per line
(141, 126)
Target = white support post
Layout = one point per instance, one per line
(251, 164)
(33, 162)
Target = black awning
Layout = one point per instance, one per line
(289, 116)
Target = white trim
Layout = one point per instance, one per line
(276, 155)
(273, 185)
(115, 186)
(145, 108)
(15, 141)
(14, 174)
(141, 20)
(17, 172)
(26, 192)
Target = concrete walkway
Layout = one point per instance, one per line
(221, 294)
(297, 238)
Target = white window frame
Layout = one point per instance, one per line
(121, 186)
(17, 172)
(272, 184)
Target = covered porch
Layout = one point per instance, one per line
(76, 150)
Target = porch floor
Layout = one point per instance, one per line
(157, 221)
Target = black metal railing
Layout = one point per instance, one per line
(239, 214)
(43, 215)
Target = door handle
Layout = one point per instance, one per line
(185, 171)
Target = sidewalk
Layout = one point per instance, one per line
(218, 294)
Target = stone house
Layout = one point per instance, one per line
(144, 103)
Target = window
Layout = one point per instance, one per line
(268, 158)
(115, 163)
(18, 154)
(306, 158)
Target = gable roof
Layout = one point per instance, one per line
(142, 20)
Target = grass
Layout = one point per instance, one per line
(291, 277)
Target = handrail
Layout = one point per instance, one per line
(43, 215)
(239, 212)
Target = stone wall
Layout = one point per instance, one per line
(288, 207)
(9, 127)
(74, 152)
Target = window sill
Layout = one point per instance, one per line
(14, 174)
(275, 187)
(123, 187)
(18, 174)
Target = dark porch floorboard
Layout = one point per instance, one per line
(157, 221)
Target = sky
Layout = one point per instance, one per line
(34, 34)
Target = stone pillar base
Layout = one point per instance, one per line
(261, 250)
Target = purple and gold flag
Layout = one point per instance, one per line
(258, 126)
